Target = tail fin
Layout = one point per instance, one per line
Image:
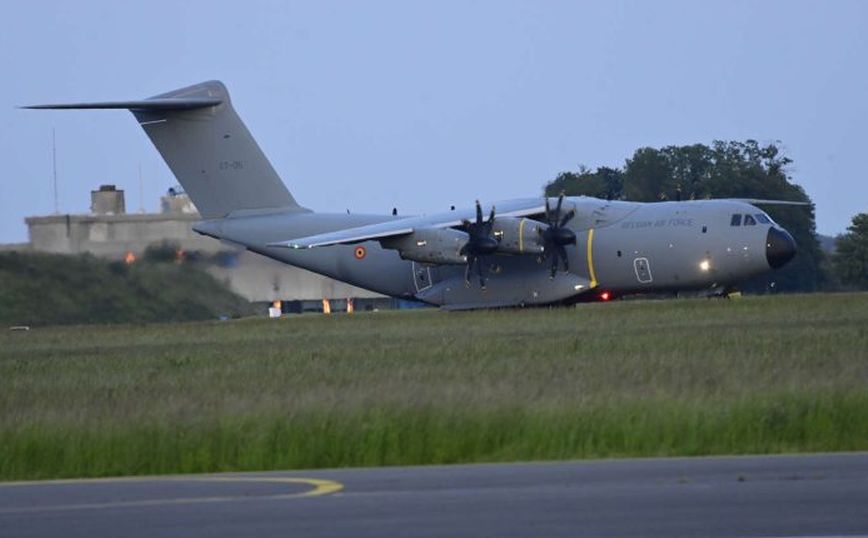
(207, 147)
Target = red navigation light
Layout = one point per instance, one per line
(605, 296)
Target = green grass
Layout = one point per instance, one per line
(636, 378)
(51, 289)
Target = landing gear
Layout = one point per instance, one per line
(725, 293)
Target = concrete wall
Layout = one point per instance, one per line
(112, 236)
(108, 200)
(262, 279)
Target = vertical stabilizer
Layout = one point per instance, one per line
(213, 155)
(207, 147)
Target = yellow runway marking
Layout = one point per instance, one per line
(320, 487)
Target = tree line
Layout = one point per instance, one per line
(733, 169)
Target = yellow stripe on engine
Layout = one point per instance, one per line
(591, 258)
(521, 235)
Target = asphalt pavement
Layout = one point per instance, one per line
(781, 496)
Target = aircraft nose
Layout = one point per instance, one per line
(780, 247)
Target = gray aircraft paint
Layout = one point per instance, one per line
(668, 235)
(674, 239)
(622, 247)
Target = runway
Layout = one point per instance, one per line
(781, 496)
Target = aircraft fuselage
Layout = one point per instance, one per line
(621, 247)
(524, 253)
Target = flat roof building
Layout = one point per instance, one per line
(110, 232)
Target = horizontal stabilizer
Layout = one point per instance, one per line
(182, 103)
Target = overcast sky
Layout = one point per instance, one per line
(419, 105)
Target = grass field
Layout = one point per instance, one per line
(41, 289)
(635, 378)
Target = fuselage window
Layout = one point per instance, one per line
(748, 221)
(736, 220)
(762, 219)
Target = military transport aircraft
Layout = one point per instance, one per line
(529, 251)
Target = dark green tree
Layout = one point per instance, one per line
(606, 183)
(851, 253)
(691, 167)
(648, 176)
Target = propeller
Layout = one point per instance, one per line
(557, 236)
(480, 243)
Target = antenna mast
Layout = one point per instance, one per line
(141, 191)
(54, 170)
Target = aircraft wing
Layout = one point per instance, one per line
(512, 208)
(759, 201)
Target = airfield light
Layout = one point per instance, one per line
(276, 309)
(705, 265)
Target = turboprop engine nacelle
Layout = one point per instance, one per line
(430, 245)
(519, 235)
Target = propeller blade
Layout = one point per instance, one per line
(557, 235)
(470, 260)
(562, 252)
(480, 241)
(479, 270)
(489, 224)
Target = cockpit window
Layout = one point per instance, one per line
(749, 221)
(736, 220)
(762, 219)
